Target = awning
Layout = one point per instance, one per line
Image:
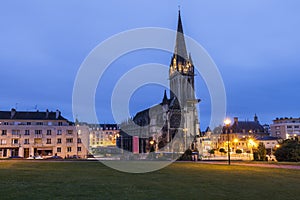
(45, 148)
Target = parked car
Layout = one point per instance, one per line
(55, 157)
(35, 157)
(16, 157)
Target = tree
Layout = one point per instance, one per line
(222, 150)
(289, 151)
(260, 153)
(238, 151)
(211, 151)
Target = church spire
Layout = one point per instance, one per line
(165, 99)
(180, 47)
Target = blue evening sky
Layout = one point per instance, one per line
(254, 43)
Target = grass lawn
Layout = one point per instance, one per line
(93, 180)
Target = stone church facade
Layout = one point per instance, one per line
(171, 125)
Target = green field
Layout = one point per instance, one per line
(92, 180)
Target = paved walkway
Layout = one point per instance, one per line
(283, 166)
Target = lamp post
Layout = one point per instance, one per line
(227, 123)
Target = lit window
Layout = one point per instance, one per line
(2, 141)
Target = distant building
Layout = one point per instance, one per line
(285, 128)
(25, 134)
(242, 135)
(270, 142)
(103, 135)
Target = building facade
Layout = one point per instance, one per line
(103, 135)
(29, 134)
(242, 135)
(286, 128)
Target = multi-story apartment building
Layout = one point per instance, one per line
(103, 135)
(285, 128)
(46, 134)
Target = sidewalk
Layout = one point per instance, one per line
(283, 166)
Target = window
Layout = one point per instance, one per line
(58, 149)
(58, 140)
(296, 127)
(4, 132)
(48, 141)
(79, 140)
(60, 124)
(69, 140)
(38, 132)
(5, 123)
(277, 132)
(15, 141)
(48, 132)
(58, 132)
(39, 123)
(27, 132)
(78, 148)
(15, 132)
(69, 149)
(26, 141)
(289, 126)
(28, 123)
(49, 123)
(277, 127)
(70, 131)
(2, 141)
(37, 140)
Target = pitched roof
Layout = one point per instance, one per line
(246, 126)
(29, 115)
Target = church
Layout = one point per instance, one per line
(172, 125)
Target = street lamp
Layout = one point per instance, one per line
(227, 123)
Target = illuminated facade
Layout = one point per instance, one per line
(243, 135)
(103, 135)
(28, 134)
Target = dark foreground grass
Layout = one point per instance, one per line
(92, 180)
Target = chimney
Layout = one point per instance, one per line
(236, 120)
(57, 114)
(12, 113)
(47, 114)
(255, 118)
